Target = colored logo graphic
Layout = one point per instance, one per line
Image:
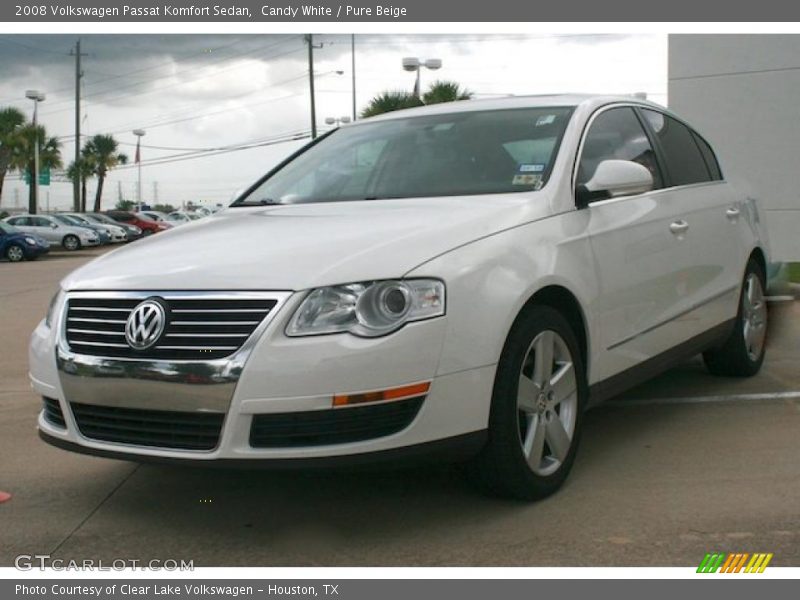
(734, 562)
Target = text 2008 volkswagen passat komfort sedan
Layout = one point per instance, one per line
(462, 277)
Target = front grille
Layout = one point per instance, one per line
(160, 428)
(52, 412)
(196, 329)
(332, 426)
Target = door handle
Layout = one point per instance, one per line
(732, 213)
(679, 227)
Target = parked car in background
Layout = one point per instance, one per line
(16, 245)
(466, 276)
(148, 226)
(102, 233)
(154, 215)
(181, 217)
(70, 237)
(132, 231)
(118, 232)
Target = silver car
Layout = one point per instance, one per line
(55, 233)
(117, 232)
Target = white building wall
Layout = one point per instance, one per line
(742, 92)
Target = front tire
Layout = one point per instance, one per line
(15, 253)
(71, 242)
(742, 354)
(537, 406)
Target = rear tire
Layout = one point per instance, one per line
(742, 354)
(537, 407)
(71, 242)
(15, 253)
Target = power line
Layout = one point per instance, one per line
(169, 86)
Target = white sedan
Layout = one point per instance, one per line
(464, 278)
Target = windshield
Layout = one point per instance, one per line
(8, 228)
(102, 219)
(475, 152)
(67, 220)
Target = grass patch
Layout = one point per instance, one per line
(793, 272)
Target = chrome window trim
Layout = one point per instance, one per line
(634, 105)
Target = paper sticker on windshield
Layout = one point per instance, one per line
(534, 168)
(545, 120)
(526, 179)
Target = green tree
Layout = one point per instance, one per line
(390, 101)
(102, 151)
(445, 91)
(23, 156)
(11, 120)
(82, 170)
(165, 208)
(124, 204)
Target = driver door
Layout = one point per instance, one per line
(637, 257)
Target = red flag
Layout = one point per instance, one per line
(137, 158)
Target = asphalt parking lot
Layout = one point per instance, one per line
(684, 465)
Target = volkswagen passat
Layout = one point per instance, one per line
(465, 277)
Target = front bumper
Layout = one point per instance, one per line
(280, 377)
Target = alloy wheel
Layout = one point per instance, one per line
(754, 316)
(547, 403)
(15, 254)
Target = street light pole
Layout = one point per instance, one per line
(37, 97)
(139, 133)
(353, 67)
(412, 63)
(310, 42)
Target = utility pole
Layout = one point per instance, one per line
(119, 191)
(76, 185)
(310, 41)
(155, 192)
(353, 67)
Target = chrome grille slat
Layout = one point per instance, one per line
(201, 328)
(88, 320)
(95, 332)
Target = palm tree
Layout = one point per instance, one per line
(11, 120)
(81, 170)
(102, 151)
(389, 101)
(445, 91)
(23, 156)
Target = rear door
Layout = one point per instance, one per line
(711, 261)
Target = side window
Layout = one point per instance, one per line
(708, 155)
(39, 222)
(685, 162)
(617, 134)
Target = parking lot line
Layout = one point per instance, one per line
(706, 399)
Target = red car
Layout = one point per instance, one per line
(148, 227)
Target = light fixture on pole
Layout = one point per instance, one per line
(138, 160)
(412, 63)
(37, 97)
(336, 121)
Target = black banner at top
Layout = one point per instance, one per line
(265, 11)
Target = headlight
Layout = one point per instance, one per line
(55, 303)
(367, 309)
(30, 241)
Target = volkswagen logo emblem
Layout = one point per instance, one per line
(145, 324)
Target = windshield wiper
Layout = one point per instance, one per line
(262, 202)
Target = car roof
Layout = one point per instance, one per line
(590, 101)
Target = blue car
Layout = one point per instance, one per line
(16, 245)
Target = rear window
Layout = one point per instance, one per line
(476, 152)
(685, 162)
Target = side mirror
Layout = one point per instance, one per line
(613, 178)
(53, 225)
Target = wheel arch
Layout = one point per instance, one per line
(562, 300)
(760, 257)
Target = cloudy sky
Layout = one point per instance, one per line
(201, 97)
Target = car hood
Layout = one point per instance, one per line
(301, 246)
